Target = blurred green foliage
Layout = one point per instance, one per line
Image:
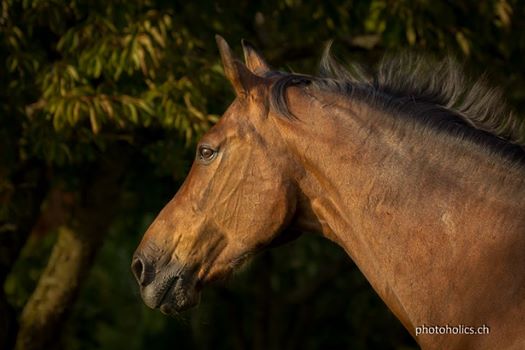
(84, 77)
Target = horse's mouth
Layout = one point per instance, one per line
(174, 289)
(178, 297)
(171, 296)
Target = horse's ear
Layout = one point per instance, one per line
(253, 59)
(237, 73)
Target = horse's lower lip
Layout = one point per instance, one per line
(178, 296)
(170, 308)
(166, 293)
(166, 309)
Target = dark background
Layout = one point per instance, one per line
(101, 105)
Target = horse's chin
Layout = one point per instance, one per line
(175, 305)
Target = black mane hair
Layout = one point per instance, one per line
(433, 92)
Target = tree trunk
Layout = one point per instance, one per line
(70, 261)
(20, 201)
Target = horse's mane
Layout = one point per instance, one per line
(435, 92)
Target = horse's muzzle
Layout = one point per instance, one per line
(170, 288)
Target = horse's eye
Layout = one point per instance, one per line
(206, 153)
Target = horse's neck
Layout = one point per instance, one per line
(433, 242)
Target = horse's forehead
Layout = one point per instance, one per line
(231, 120)
(242, 112)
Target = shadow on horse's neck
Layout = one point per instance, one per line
(424, 216)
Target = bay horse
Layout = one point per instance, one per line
(418, 175)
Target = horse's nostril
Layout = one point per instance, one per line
(138, 268)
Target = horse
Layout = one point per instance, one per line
(418, 175)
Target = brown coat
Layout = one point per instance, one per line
(434, 218)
